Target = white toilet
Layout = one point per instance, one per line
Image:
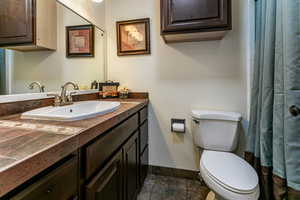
(227, 175)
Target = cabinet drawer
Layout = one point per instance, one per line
(143, 114)
(144, 136)
(60, 184)
(99, 151)
(144, 163)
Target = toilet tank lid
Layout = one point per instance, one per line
(216, 115)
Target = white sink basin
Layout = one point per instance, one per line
(77, 111)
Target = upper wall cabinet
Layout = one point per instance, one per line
(195, 20)
(28, 25)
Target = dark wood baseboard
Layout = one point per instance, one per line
(180, 173)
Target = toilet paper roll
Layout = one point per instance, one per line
(178, 127)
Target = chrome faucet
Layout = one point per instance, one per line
(64, 99)
(38, 84)
(67, 100)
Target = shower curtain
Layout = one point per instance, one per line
(273, 141)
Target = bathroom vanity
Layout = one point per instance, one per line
(104, 157)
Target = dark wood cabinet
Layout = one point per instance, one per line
(143, 136)
(108, 183)
(131, 168)
(195, 20)
(111, 167)
(120, 176)
(96, 157)
(143, 115)
(144, 164)
(60, 184)
(17, 21)
(124, 174)
(143, 152)
(28, 24)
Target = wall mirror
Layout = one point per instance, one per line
(53, 68)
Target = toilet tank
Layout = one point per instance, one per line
(216, 130)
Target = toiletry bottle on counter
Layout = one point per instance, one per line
(124, 93)
(94, 85)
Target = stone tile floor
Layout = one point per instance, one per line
(158, 187)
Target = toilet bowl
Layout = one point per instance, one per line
(229, 176)
(226, 174)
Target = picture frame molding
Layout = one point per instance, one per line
(147, 32)
(92, 41)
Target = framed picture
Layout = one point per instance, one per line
(80, 41)
(133, 37)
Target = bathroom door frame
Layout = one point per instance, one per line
(3, 74)
(8, 71)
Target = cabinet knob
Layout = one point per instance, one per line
(294, 110)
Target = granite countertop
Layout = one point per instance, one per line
(27, 147)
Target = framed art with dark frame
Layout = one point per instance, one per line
(133, 37)
(80, 41)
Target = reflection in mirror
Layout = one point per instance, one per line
(52, 69)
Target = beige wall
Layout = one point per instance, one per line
(53, 68)
(179, 77)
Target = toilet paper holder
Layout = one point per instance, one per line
(178, 121)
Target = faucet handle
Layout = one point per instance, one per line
(42, 89)
(70, 96)
(57, 99)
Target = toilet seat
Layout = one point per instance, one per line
(229, 171)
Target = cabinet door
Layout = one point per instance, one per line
(143, 152)
(95, 155)
(17, 21)
(131, 170)
(144, 140)
(197, 15)
(107, 184)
